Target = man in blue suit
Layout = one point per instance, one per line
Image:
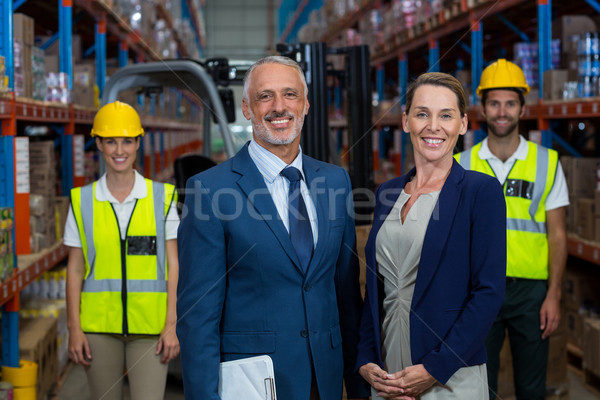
(245, 287)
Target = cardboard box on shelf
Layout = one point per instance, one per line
(554, 82)
(569, 26)
(51, 63)
(591, 345)
(37, 343)
(84, 79)
(585, 219)
(584, 176)
(567, 165)
(580, 287)
(23, 28)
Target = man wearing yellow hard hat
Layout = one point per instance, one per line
(536, 196)
(123, 268)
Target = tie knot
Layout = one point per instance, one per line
(292, 174)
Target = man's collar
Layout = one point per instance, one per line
(269, 165)
(520, 154)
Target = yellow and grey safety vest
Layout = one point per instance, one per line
(525, 191)
(110, 303)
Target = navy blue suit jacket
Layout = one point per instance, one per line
(461, 279)
(242, 293)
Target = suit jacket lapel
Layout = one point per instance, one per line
(317, 186)
(253, 185)
(438, 230)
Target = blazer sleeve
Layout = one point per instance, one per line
(487, 249)
(200, 292)
(349, 298)
(367, 347)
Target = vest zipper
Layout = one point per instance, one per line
(124, 267)
(124, 284)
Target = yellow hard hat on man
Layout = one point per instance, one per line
(502, 74)
(117, 119)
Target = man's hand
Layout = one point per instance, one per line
(549, 315)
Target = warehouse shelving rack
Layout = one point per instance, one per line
(69, 120)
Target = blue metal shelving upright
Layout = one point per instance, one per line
(6, 38)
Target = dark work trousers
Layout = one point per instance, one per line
(520, 317)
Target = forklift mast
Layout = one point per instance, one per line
(315, 133)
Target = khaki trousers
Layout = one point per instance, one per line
(113, 354)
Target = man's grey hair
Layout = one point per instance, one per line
(273, 60)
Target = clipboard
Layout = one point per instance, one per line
(248, 378)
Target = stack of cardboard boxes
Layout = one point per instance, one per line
(23, 32)
(42, 178)
(573, 74)
(583, 214)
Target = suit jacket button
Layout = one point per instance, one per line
(307, 287)
(304, 333)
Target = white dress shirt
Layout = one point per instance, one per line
(270, 167)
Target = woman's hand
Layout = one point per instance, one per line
(383, 383)
(168, 344)
(79, 348)
(414, 380)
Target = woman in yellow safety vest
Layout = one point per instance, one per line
(122, 270)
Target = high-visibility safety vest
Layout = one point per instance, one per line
(109, 303)
(525, 192)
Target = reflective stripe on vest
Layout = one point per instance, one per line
(525, 191)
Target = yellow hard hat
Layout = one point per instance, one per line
(117, 120)
(502, 74)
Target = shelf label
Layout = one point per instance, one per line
(27, 275)
(52, 113)
(5, 291)
(14, 289)
(35, 111)
(579, 248)
(551, 110)
(53, 256)
(44, 112)
(20, 281)
(564, 109)
(46, 264)
(595, 255)
(578, 108)
(1, 107)
(24, 110)
(79, 155)
(21, 165)
(37, 269)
